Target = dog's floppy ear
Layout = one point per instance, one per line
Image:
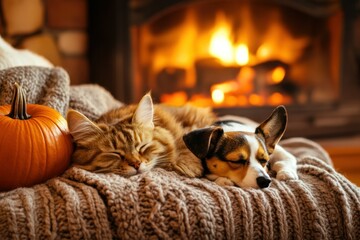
(202, 142)
(273, 128)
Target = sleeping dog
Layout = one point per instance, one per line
(234, 153)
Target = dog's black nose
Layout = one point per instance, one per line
(263, 182)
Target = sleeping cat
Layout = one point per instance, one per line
(136, 138)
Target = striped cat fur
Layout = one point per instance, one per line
(136, 138)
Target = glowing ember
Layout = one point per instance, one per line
(242, 100)
(201, 100)
(245, 79)
(278, 74)
(175, 99)
(256, 100)
(226, 87)
(263, 52)
(276, 99)
(217, 96)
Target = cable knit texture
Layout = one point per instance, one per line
(159, 204)
(50, 87)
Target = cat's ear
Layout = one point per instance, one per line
(144, 113)
(202, 142)
(273, 128)
(80, 126)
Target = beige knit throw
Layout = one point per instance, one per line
(163, 205)
(158, 204)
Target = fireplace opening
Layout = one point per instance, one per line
(238, 54)
(239, 57)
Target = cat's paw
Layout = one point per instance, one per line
(287, 174)
(222, 181)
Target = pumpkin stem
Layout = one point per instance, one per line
(18, 104)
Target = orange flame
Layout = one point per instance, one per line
(222, 47)
(242, 54)
(220, 44)
(187, 43)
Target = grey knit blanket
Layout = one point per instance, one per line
(51, 87)
(159, 204)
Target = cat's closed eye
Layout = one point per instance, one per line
(118, 154)
(143, 148)
(110, 156)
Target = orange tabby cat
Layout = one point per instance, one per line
(135, 138)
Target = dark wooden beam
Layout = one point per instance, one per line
(109, 48)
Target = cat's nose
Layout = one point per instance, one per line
(263, 182)
(135, 165)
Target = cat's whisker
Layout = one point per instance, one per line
(161, 161)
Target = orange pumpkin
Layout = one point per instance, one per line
(35, 144)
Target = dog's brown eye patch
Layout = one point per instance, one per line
(239, 154)
(237, 164)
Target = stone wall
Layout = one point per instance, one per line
(55, 29)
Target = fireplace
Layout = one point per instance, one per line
(239, 57)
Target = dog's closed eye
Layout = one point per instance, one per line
(240, 161)
(262, 161)
(237, 164)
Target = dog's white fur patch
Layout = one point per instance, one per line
(255, 169)
(237, 127)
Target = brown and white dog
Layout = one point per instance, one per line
(234, 153)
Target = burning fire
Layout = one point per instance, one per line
(243, 88)
(240, 91)
(241, 49)
(242, 54)
(221, 46)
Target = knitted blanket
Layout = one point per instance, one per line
(159, 204)
(163, 205)
(51, 87)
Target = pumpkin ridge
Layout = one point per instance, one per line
(49, 113)
(54, 133)
(40, 130)
(29, 168)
